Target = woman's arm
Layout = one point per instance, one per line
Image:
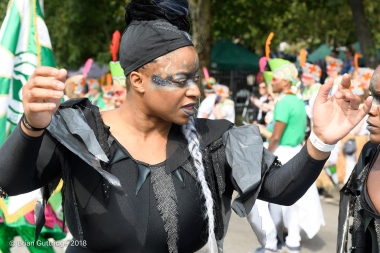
(285, 184)
(27, 163)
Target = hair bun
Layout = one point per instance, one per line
(174, 11)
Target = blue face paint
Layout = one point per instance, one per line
(160, 81)
(170, 82)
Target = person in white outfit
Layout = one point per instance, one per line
(286, 140)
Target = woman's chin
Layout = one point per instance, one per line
(375, 138)
(181, 120)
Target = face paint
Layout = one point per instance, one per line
(167, 67)
(374, 90)
(176, 74)
(174, 83)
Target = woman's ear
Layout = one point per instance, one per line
(137, 81)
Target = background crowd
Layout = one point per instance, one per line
(280, 103)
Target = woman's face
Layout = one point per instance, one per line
(171, 86)
(374, 114)
(263, 89)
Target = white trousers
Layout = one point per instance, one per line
(305, 214)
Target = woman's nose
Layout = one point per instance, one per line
(193, 91)
(374, 109)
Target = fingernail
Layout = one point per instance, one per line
(55, 72)
(51, 106)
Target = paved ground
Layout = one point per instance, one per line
(240, 238)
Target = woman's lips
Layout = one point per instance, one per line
(189, 109)
(371, 127)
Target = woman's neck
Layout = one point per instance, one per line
(132, 120)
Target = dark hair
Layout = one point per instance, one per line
(351, 50)
(174, 11)
(335, 52)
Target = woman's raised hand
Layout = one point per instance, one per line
(335, 116)
(42, 95)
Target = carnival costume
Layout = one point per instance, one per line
(115, 203)
(310, 93)
(356, 203)
(336, 65)
(151, 208)
(306, 213)
(116, 70)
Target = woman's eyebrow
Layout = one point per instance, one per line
(375, 94)
(185, 73)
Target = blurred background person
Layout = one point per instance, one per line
(348, 64)
(333, 68)
(311, 75)
(359, 136)
(286, 140)
(119, 89)
(207, 104)
(94, 93)
(263, 104)
(224, 108)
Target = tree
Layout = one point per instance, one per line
(250, 22)
(201, 17)
(3, 10)
(83, 29)
(363, 33)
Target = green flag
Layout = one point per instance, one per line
(24, 45)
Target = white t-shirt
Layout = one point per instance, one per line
(207, 105)
(226, 108)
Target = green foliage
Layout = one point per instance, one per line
(83, 29)
(372, 10)
(3, 9)
(250, 22)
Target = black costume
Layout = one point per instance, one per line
(355, 202)
(150, 204)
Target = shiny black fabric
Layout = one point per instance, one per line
(355, 202)
(130, 222)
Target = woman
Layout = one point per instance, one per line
(360, 195)
(138, 178)
(263, 103)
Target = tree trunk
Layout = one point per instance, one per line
(363, 33)
(201, 29)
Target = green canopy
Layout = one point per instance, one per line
(319, 54)
(226, 55)
(357, 49)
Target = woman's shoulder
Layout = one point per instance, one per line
(368, 150)
(211, 130)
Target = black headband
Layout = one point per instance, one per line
(144, 41)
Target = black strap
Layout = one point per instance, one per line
(28, 126)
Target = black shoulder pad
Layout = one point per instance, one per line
(211, 130)
(75, 101)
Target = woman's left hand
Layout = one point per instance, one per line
(335, 116)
